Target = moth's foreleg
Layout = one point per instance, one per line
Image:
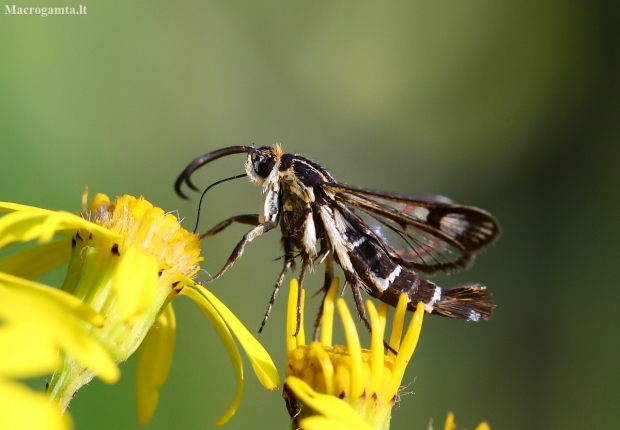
(238, 251)
(249, 219)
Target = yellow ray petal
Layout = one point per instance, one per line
(24, 409)
(43, 225)
(220, 326)
(154, 358)
(450, 425)
(338, 414)
(322, 423)
(12, 207)
(294, 340)
(29, 316)
(33, 262)
(326, 365)
(383, 312)
(483, 426)
(356, 388)
(327, 327)
(291, 318)
(259, 358)
(135, 282)
(407, 347)
(34, 352)
(72, 303)
(376, 348)
(398, 323)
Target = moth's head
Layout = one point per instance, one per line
(262, 165)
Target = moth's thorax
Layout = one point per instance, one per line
(290, 181)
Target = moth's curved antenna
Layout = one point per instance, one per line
(205, 192)
(185, 176)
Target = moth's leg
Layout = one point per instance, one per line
(250, 219)
(325, 256)
(344, 287)
(359, 303)
(361, 310)
(287, 266)
(293, 406)
(329, 276)
(302, 274)
(238, 251)
(288, 261)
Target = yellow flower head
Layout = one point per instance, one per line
(127, 261)
(132, 270)
(451, 425)
(347, 386)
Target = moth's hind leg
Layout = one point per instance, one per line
(329, 276)
(359, 303)
(249, 219)
(361, 310)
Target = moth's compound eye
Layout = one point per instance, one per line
(264, 166)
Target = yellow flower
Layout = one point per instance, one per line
(341, 387)
(450, 425)
(127, 260)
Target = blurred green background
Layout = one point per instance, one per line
(509, 106)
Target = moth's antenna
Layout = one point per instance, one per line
(205, 192)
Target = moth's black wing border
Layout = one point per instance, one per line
(185, 176)
(457, 231)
